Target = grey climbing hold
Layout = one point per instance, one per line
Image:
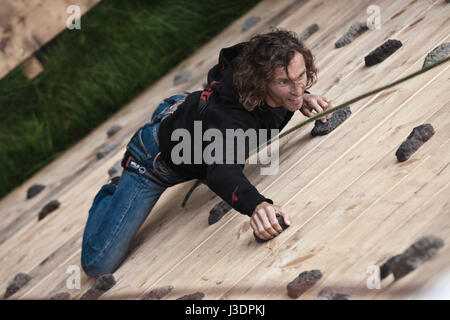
(385, 268)
(20, 280)
(355, 31)
(181, 77)
(418, 253)
(113, 130)
(303, 282)
(308, 32)
(34, 190)
(48, 208)
(61, 296)
(250, 22)
(323, 128)
(105, 150)
(194, 296)
(158, 293)
(116, 169)
(331, 293)
(282, 224)
(382, 52)
(218, 211)
(437, 54)
(414, 141)
(102, 284)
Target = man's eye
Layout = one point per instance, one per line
(283, 82)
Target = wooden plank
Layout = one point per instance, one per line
(30, 25)
(31, 67)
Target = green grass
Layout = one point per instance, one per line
(89, 74)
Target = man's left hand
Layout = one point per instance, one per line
(313, 104)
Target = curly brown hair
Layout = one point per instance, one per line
(261, 55)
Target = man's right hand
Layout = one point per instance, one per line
(264, 222)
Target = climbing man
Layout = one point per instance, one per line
(256, 85)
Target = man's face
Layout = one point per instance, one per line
(287, 90)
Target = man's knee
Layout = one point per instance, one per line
(97, 268)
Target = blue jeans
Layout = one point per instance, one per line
(118, 212)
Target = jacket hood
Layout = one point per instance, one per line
(223, 72)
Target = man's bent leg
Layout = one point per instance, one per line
(115, 217)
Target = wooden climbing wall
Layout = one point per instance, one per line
(26, 25)
(352, 205)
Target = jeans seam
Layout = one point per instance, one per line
(116, 228)
(142, 144)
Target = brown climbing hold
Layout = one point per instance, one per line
(303, 282)
(250, 22)
(218, 211)
(308, 32)
(323, 128)
(102, 284)
(20, 280)
(355, 31)
(61, 296)
(330, 293)
(418, 253)
(437, 54)
(382, 52)
(414, 141)
(181, 77)
(158, 293)
(113, 130)
(282, 224)
(34, 190)
(48, 208)
(194, 296)
(106, 149)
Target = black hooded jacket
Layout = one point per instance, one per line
(218, 107)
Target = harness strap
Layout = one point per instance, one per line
(131, 164)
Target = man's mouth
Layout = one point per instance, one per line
(296, 101)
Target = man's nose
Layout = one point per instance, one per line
(297, 88)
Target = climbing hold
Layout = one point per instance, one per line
(355, 31)
(308, 32)
(113, 130)
(181, 77)
(158, 293)
(250, 22)
(20, 280)
(321, 128)
(418, 253)
(116, 169)
(194, 296)
(61, 296)
(282, 224)
(102, 284)
(34, 190)
(218, 211)
(437, 54)
(48, 208)
(303, 282)
(414, 141)
(330, 293)
(106, 149)
(382, 52)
